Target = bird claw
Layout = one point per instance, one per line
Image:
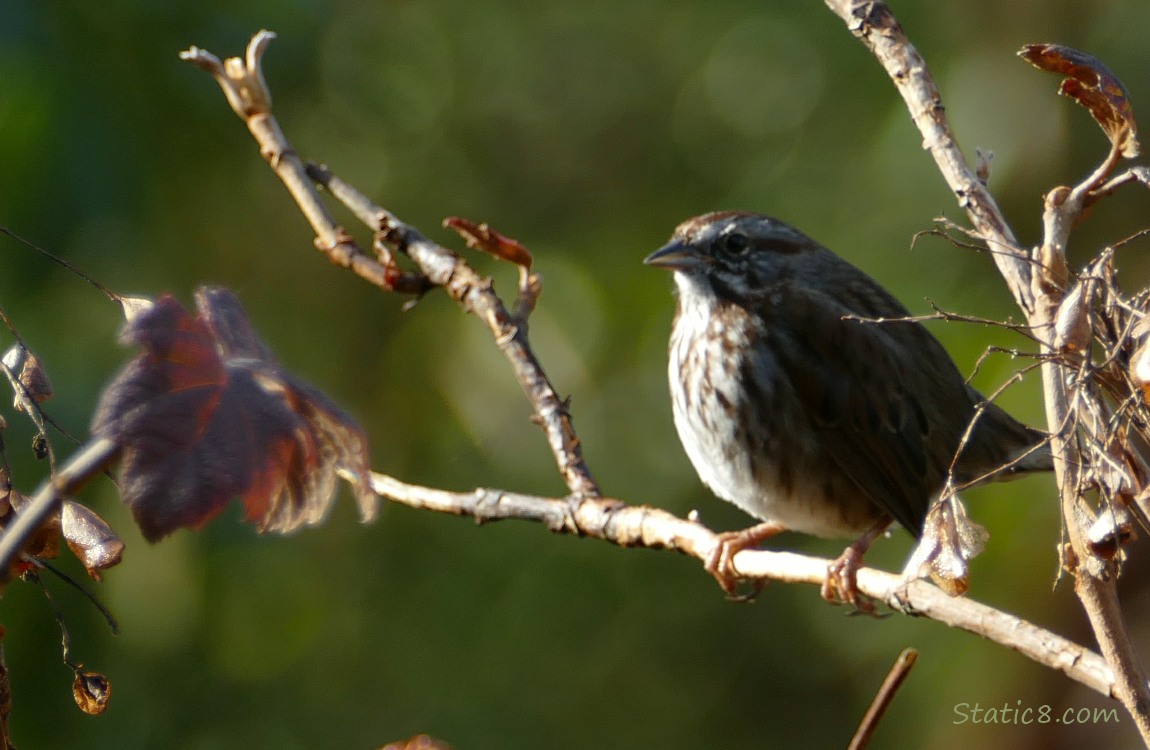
(720, 563)
(841, 583)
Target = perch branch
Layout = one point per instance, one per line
(242, 82)
(652, 528)
(1038, 294)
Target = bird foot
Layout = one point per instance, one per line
(841, 584)
(720, 563)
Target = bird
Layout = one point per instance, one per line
(804, 393)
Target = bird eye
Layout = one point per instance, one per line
(735, 243)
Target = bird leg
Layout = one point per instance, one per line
(720, 563)
(841, 583)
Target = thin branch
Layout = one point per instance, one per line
(876, 27)
(1130, 176)
(882, 699)
(243, 83)
(652, 528)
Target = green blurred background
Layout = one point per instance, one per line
(586, 130)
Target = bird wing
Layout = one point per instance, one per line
(867, 389)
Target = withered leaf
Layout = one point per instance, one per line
(45, 542)
(91, 691)
(482, 237)
(29, 373)
(950, 540)
(90, 538)
(1072, 323)
(1090, 83)
(205, 414)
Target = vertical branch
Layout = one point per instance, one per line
(876, 27)
(1039, 295)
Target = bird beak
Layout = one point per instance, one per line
(675, 256)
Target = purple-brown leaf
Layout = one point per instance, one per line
(205, 414)
(1090, 83)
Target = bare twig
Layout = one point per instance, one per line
(875, 25)
(243, 83)
(5, 699)
(882, 699)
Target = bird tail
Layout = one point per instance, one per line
(1035, 456)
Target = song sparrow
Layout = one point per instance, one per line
(795, 405)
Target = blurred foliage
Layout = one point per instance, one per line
(587, 131)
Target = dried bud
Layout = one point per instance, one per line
(982, 157)
(949, 541)
(1113, 528)
(1072, 323)
(29, 373)
(91, 691)
(90, 538)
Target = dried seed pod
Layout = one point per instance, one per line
(91, 691)
(949, 541)
(90, 538)
(1072, 323)
(1113, 529)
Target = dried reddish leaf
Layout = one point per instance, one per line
(483, 237)
(90, 538)
(1090, 83)
(91, 691)
(205, 413)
